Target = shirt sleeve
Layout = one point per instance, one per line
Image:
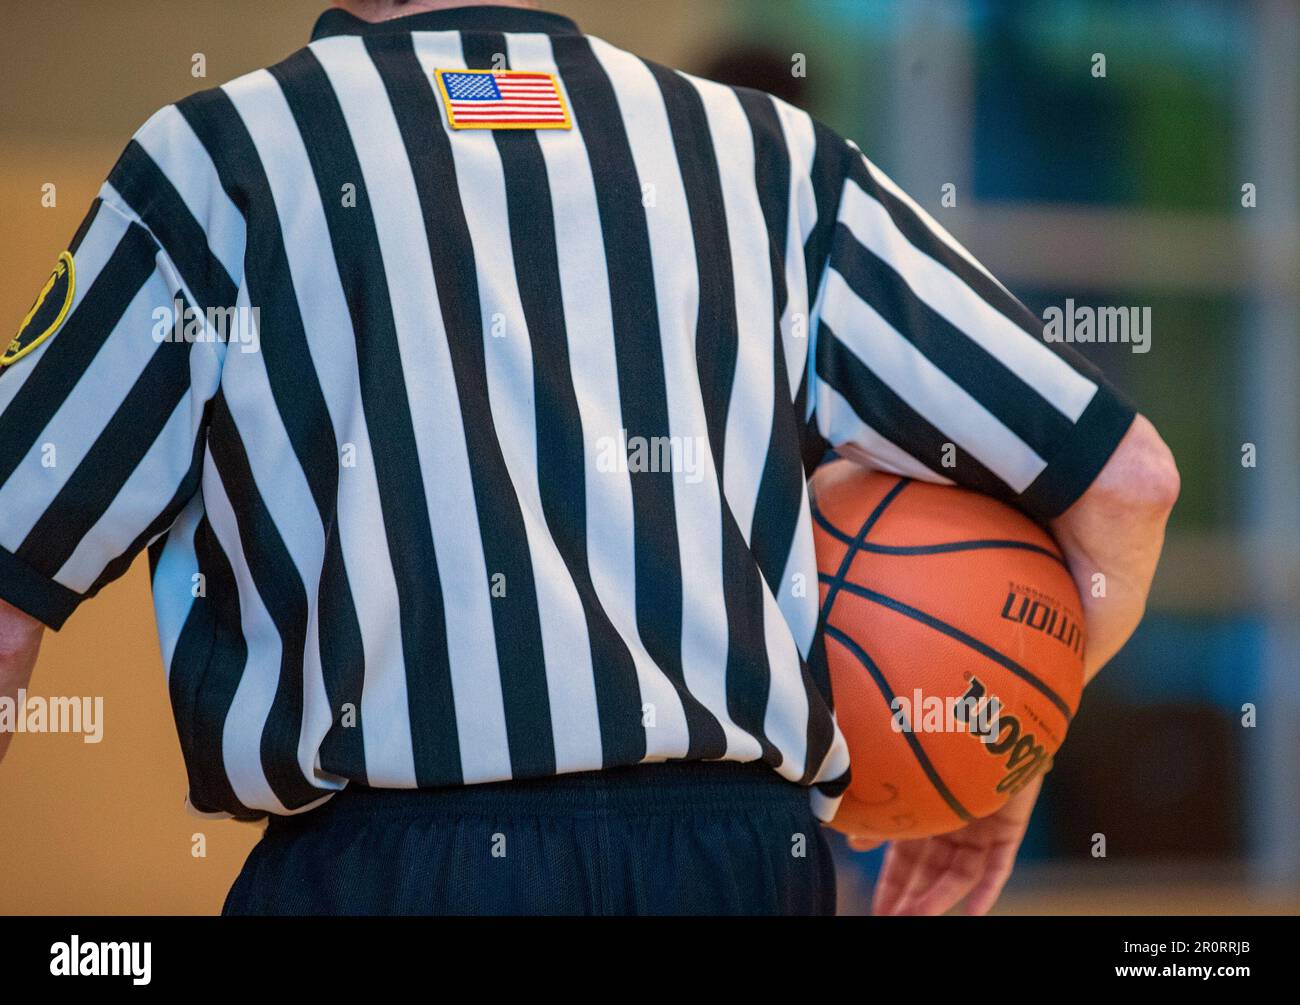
(925, 365)
(104, 396)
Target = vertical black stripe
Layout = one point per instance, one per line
(782, 488)
(290, 371)
(285, 598)
(343, 665)
(155, 553)
(830, 164)
(812, 445)
(515, 619)
(289, 367)
(640, 368)
(360, 261)
(749, 678)
(821, 706)
(716, 336)
(207, 665)
(561, 470)
(87, 222)
(826, 176)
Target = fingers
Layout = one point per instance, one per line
(896, 875)
(932, 875)
(949, 871)
(997, 870)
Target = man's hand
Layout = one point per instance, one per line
(20, 641)
(932, 875)
(1111, 538)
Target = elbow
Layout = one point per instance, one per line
(20, 635)
(1143, 474)
(1163, 483)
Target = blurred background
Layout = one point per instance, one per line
(1171, 182)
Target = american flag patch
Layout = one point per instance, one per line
(502, 99)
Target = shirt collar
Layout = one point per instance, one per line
(337, 21)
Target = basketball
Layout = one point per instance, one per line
(954, 637)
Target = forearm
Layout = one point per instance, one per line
(1112, 539)
(20, 641)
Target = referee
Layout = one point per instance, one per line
(461, 375)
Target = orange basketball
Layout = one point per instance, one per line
(954, 635)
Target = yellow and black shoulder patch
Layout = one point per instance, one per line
(47, 314)
(502, 99)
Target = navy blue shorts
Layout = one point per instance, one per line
(680, 838)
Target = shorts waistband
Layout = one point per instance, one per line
(673, 787)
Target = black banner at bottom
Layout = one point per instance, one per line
(549, 955)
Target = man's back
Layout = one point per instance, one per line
(504, 476)
(501, 473)
(461, 374)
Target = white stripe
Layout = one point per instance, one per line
(833, 766)
(1060, 384)
(785, 721)
(801, 144)
(140, 500)
(749, 409)
(173, 580)
(927, 389)
(584, 290)
(158, 476)
(823, 807)
(241, 734)
(570, 680)
(172, 280)
(698, 506)
(798, 598)
(286, 494)
(182, 157)
(799, 606)
(331, 341)
(81, 417)
(749, 417)
(97, 247)
(854, 438)
(435, 410)
(887, 183)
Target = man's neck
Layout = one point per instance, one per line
(386, 10)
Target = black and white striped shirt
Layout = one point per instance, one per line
(506, 476)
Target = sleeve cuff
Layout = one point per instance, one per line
(35, 594)
(1080, 458)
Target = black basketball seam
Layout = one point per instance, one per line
(853, 547)
(971, 544)
(913, 743)
(930, 621)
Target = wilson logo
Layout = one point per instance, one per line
(1003, 736)
(1042, 614)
